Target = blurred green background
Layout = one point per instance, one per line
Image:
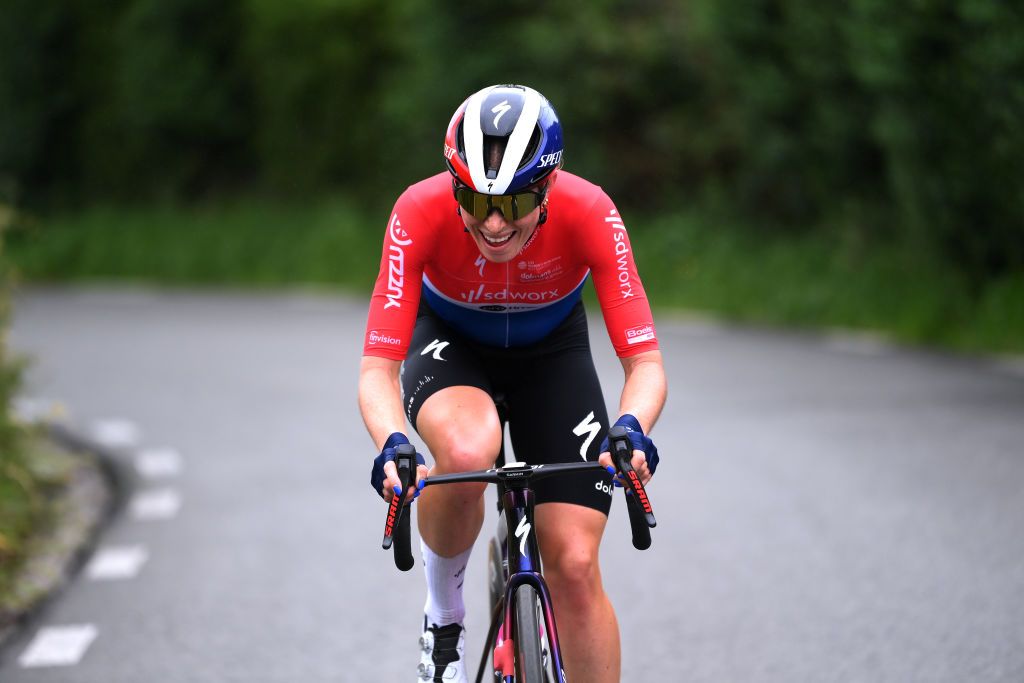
(788, 162)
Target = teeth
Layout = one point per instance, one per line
(497, 240)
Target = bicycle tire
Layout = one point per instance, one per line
(529, 656)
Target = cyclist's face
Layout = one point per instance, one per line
(498, 239)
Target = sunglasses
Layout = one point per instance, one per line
(511, 205)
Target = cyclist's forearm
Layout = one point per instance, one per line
(645, 388)
(380, 398)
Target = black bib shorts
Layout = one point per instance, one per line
(555, 407)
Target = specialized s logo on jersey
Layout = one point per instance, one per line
(396, 262)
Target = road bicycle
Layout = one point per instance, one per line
(522, 649)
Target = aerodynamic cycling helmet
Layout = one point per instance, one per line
(503, 139)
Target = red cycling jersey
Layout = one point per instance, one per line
(427, 250)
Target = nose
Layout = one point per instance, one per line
(495, 221)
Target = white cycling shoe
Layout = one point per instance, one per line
(442, 659)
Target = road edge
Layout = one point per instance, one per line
(84, 509)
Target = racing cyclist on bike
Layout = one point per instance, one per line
(479, 294)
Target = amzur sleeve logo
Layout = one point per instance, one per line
(396, 262)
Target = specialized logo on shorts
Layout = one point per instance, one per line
(437, 346)
(587, 427)
(640, 333)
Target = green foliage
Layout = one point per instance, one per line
(898, 121)
(21, 505)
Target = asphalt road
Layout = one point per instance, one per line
(830, 509)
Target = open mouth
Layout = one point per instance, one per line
(498, 241)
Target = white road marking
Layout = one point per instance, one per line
(58, 646)
(116, 563)
(116, 433)
(156, 504)
(155, 463)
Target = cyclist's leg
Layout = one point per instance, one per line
(569, 537)
(446, 399)
(557, 414)
(446, 391)
(460, 426)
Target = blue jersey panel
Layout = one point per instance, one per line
(502, 325)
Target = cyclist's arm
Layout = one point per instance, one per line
(380, 402)
(380, 398)
(645, 388)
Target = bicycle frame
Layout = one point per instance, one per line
(524, 563)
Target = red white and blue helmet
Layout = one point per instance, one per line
(503, 139)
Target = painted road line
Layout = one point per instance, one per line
(58, 646)
(116, 563)
(156, 504)
(156, 463)
(115, 433)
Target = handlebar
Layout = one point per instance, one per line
(641, 514)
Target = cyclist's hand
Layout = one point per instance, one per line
(645, 453)
(638, 461)
(384, 475)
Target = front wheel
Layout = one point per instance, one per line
(529, 650)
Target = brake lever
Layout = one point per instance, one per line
(641, 514)
(396, 525)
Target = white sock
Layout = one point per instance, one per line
(444, 586)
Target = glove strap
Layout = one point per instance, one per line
(629, 422)
(396, 439)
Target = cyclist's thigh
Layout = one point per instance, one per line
(447, 398)
(557, 414)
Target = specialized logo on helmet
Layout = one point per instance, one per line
(550, 159)
(500, 110)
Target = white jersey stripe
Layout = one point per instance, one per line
(517, 142)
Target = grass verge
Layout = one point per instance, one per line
(814, 279)
(31, 482)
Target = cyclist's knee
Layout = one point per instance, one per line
(575, 576)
